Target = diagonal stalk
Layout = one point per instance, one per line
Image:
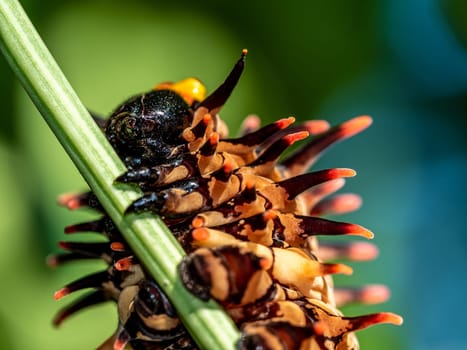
(147, 235)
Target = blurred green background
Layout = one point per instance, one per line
(402, 61)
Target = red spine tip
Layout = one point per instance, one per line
(375, 294)
(331, 269)
(198, 222)
(119, 345)
(59, 294)
(378, 318)
(117, 246)
(348, 202)
(315, 127)
(339, 204)
(214, 139)
(265, 263)
(355, 125)
(244, 52)
(251, 124)
(122, 340)
(64, 198)
(358, 230)
(207, 119)
(69, 200)
(292, 138)
(250, 184)
(389, 317)
(123, 264)
(285, 122)
(74, 204)
(269, 215)
(319, 327)
(228, 167)
(342, 172)
(200, 234)
(362, 251)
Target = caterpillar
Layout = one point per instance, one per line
(247, 218)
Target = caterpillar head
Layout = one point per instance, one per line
(148, 127)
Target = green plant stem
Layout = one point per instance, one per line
(147, 235)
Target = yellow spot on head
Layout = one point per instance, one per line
(190, 89)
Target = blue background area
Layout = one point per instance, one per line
(404, 62)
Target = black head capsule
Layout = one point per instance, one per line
(148, 127)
